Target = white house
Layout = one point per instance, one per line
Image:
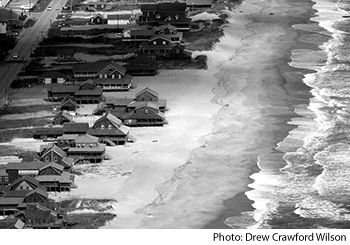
(119, 19)
(3, 26)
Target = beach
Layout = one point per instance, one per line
(194, 171)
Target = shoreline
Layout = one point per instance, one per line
(240, 205)
(276, 112)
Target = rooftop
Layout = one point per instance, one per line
(75, 127)
(98, 67)
(119, 16)
(25, 166)
(52, 74)
(147, 89)
(86, 139)
(59, 88)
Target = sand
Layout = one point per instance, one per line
(193, 172)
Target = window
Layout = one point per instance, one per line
(55, 159)
(105, 75)
(113, 76)
(164, 42)
(0, 178)
(154, 43)
(102, 126)
(47, 159)
(101, 75)
(110, 126)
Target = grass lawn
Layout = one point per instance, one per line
(24, 109)
(9, 135)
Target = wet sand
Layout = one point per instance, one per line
(257, 94)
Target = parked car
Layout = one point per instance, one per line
(15, 55)
(49, 8)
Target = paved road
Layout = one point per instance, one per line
(27, 40)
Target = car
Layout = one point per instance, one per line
(49, 8)
(15, 55)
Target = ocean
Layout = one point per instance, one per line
(305, 183)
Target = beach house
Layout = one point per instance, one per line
(87, 149)
(110, 130)
(146, 114)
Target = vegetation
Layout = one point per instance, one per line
(93, 32)
(204, 34)
(89, 220)
(22, 123)
(9, 110)
(200, 62)
(29, 23)
(9, 135)
(24, 83)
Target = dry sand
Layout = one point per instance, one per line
(179, 175)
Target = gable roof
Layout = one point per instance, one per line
(97, 15)
(146, 110)
(97, 67)
(147, 89)
(69, 101)
(89, 84)
(38, 191)
(53, 165)
(30, 180)
(111, 118)
(75, 127)
(56, 149)
(169, 26)
(64, 115)
(160, 36)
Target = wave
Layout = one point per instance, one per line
(306, 184)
